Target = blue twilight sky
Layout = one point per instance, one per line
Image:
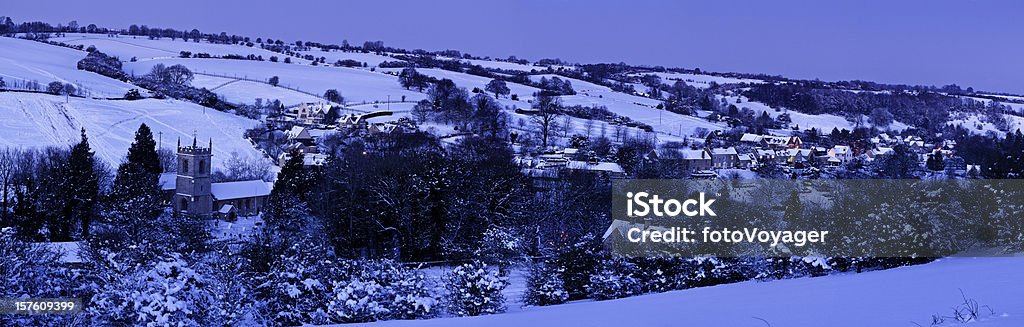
(970, 43)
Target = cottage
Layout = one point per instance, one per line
(724, 158)
(842, 153)
(686, 160)
(744, 161)
(310, 114)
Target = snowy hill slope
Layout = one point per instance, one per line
(356, 85)
(126, 47)
(24, 60)
(637, 108)
(896, 297)
(37, 120)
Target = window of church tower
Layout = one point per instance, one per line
(184, 166)
(202, 167)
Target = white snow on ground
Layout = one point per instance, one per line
(699, 80)
(242, 91)
(503, 65)
(467, 81)
(896, 297)
(24, 60)
(356, 85)
(980, 125)
(126, 47)
(823, 122)
(371, 59)
(39, 120)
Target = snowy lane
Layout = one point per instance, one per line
(897, 297)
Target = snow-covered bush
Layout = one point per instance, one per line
(299, 286)
(578, 262)
(473, 290)
(305, 286)
(616, 278)
(545, 287)
(381, 290)
(170, 293)
(707, 271)
(28, 270)
(500, 246)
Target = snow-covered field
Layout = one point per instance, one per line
(24, 60)
(38, 120)
(637, 108)
(242, 91)
(897, 297)
(356, 85)
(371, 59)
(126, 47)
(700, 80)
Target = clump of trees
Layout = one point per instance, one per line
(174, 81)
(100, 63)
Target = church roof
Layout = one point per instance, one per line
(239, 190)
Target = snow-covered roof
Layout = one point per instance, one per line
(610, 167)
(688, 154)
(729, 150)
(747, 137)
(298, 132)
(744, 157)
(225, 209)
(777, 140)
(238, 190)
(841, 149)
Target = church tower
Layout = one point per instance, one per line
(193, 195)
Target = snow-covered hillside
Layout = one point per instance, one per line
(896, 297)
(140, 47)
(26, 61)
(700, 80)
(637, 108)
(37, 120)
(356, 85)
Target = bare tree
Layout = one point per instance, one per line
(547, 111)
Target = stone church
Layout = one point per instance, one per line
(195, 193)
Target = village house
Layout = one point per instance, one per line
(310, 113)
(745, 161)
(724, 158)
(842, 153)
(685, 160)
(300, 140)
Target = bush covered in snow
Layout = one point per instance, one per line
(28, 270)
(170, 293)
(473, 290)
(616, 278)
(579, 262)
(306, 286)
(381, 290)
(545, 287)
